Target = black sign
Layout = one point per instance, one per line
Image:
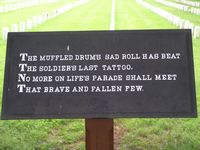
(99, 74)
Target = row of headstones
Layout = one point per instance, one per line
(23, 26)
(11, 1)
(180, 6)
(181, 23)
(191, 3)
(24, 4)
(37, 20)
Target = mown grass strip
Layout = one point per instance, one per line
(130, 15)
(87, 17)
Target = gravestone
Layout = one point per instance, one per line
(14, 28)
(40, 19)
(187, 24)
(22, 26)
(44, 16)
(197, 31)
(191, 26)
(35, 21)
(5, 31)
(1, 9)
(182, 24)
(6, 8)
(29, 24)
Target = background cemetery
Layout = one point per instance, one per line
(64, 15)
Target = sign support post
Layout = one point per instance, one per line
(99, 134)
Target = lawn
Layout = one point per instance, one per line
(139, 134)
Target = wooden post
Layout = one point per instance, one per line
(99, 134)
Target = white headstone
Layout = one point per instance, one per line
(5, 31)
(39, 19)
(10, 7)
(6, 8)
(17, 5)
(44, 16)
(174, 20)
(42, 1)
(35, 21)
(177, 20)
(23, 5)
(198, 12)
(196, 31)
(191, 26)
(22, 26)
(182, 24)
(29, 24)
(186, 24)
(1, 8)
(14, 7)
(14, 28)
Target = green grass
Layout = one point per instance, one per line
(87, 17)
(166, 134)
(4, 2)
(140, 134)
(130, 15)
